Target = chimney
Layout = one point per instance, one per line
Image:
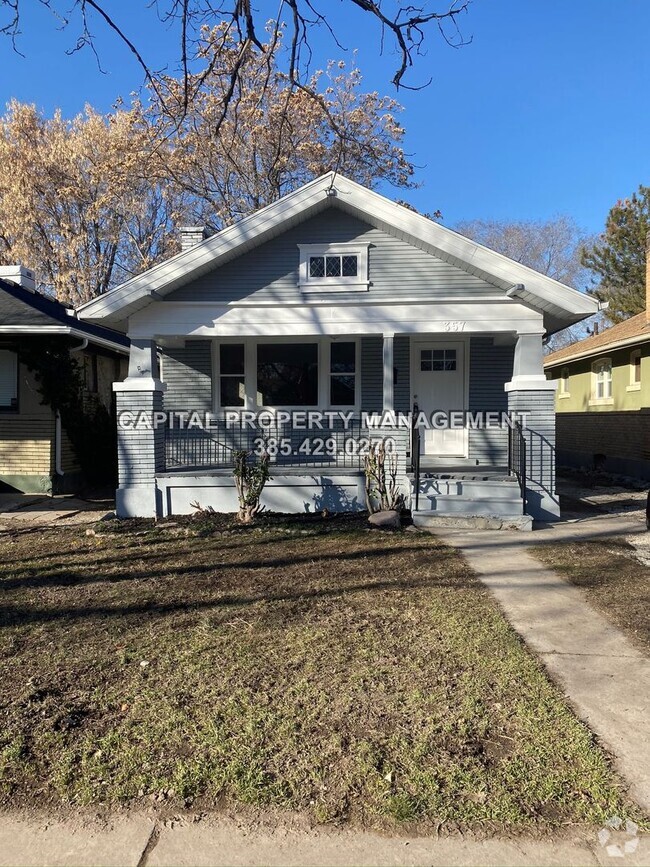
(20, 275)
(191, 236)
(595, 329)
(647, 276)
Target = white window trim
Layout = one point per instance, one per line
(634, 386)
(315, 285)
(250, 373)
(563, 394)
(601, 401)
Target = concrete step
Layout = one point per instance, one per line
(426, 520)
(482, 488)
(461, 505)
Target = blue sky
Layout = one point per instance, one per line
(545, 112)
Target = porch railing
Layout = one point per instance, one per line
(517, 458)
(340, 447)
(415, 455)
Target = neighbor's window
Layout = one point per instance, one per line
(343, 371)
(437, 359)
(342, 267)
(287, 374)
(8, 379)
(635, 367)
(602, 379)
(564, 381)
(232, 389)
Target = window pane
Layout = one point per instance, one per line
(232, 391)
(342, 391)
(231, 358)
(637, 368)
(332, 266)
(8, 379)
(316, 266)
(343, 357)
(287, 374)
(349, 266)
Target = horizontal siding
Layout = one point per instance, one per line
(270, 272)
(490, 367)
(26, 445)
(188, 374)
(372, 373)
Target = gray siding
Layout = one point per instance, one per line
(270, 272)
(372, 374)
(402, 359)
(188, 374)
(490, 367)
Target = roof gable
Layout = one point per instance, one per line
(560, 304)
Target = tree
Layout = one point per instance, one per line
(276, 138)
(619, 256)
(91, 201)
(76, 200)
(552, 247)
(399, 28)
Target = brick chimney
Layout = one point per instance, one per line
(191, 236)
(18, 274)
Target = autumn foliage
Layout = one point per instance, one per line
(89, 202)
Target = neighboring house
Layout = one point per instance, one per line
(35, 452)
(335, 299)
(603, 397)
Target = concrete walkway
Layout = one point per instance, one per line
(28, 511)
(141, 841)
(606, 680)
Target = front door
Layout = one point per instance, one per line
(439, 387)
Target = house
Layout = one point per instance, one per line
(315, 324)
(603, 397)
(36, 453)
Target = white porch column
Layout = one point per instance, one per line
(140, 433)
(532, 395)
(389, 365)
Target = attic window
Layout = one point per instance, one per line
(333, 267)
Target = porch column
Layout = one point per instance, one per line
(389, 365)
(140, 433)
(532, 395)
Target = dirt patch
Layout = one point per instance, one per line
(614, 580)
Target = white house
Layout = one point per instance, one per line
(335, 300)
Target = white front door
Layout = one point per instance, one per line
(438, 380)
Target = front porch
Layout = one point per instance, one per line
(213, 399)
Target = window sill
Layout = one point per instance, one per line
(563, 396)
(601, 401)
(636, 386)
(326, 288)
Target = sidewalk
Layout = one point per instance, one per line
(606, 680)
(27, 511)
(140, 841)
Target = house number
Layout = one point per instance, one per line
(454, 325)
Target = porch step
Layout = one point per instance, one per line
(452, 504)
(497, 489)
(426, 520)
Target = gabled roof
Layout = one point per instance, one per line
(628, 333)
(560, 304)
(25, 311)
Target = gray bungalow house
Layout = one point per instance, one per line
(307, 328)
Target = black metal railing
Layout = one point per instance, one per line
(340, 446)
(517, 458)
(415, 454)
